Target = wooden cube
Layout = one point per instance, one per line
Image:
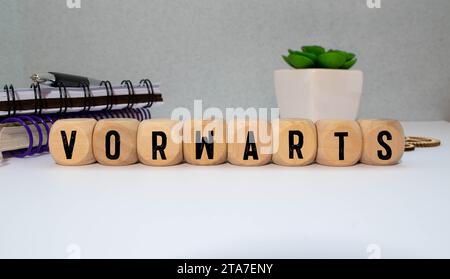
(204, 142)
(160, 142)
(70, 142)
(115, 142)
(294, 142)
(383, 142)
(339, 142)
(249, 142)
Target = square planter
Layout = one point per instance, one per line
(318, 93)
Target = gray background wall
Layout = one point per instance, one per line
(225, 51)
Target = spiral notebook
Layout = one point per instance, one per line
(42, 99)
(27, 135)
(26, 114)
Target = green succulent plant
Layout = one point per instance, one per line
(318, 57)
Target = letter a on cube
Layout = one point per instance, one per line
(249, 142)
(70, 142)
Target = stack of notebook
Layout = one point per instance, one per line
(27, 114)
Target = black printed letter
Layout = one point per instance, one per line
(68, 147)
(250, 147)
(384, 145)
(160, 148)
(297, 147)
(116, 154)
(201, 142)
(341, 136)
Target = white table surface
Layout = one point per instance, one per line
(49, 211)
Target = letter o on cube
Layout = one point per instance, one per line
(115, 142)
(70, 142)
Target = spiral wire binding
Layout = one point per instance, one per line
(38, 120)
(131, 93)
(63, 91)
(10, 94)
(109, 94)
(44, 120)
(151, 92)
(37, 98)
(65, 101)
(87, 103)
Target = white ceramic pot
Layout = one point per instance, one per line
(318, 93)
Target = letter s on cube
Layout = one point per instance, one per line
(70, 142)
(383, 142)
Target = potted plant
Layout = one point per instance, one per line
(321, 85)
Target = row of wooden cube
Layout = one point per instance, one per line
(288, 142)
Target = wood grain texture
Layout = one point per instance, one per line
(249, 142)
(160, 142)
(339, 143)
(71, 142)
(383, 141)
(115, 142)
(295, 142)
(205, 142)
